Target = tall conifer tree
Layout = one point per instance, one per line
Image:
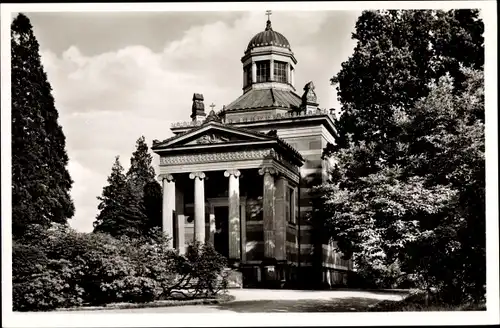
(142, 179)
(120, 213)
(40, 180)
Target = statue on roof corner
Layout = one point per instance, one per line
(309, 94)
(212, 116)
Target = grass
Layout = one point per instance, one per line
(417, 302)
(156, 304)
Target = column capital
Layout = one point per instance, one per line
(230, 172)
(168, 177)
(194, 175)
(268, 170)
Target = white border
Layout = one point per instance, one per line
(490, 316)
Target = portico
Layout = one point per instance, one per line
(220, 157)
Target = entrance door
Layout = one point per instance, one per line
(221, 236)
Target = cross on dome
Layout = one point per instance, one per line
(212, 106)
(269, 13)
(268, 24)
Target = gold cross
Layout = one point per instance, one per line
(212, 106)
(268, 13)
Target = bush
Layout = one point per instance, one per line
(27, 260)
(63, 268)
(48, 290)
(201, 272)
(138, 289)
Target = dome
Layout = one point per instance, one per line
(268, 38)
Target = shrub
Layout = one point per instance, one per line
(137, 289)
(27, 260)
(48, 290)
(202, 271)
(64, 268)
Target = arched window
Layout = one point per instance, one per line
(263, 71)
(280, 73)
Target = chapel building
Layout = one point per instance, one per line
(241, 178)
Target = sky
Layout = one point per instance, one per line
(118, 76)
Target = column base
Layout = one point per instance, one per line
(233, 263)
(234, 278)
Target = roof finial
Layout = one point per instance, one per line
(268, 24)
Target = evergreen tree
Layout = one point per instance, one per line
(152, 204)
(142, 180)
(141, 172)
(120, 213)
(40, 179)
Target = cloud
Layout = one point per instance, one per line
(106, 101)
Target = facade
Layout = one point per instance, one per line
(240, 178)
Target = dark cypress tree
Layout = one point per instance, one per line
(142, 180)
(120, 213)
(40, 179)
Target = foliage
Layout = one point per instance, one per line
(421, 301)
(398, 54)
(142, 180)
(406, 197)
(205, 267)
(120, 213)
(152, 203)
(131, 203)
(40, 179)
(421, 215)
(141, 172)
(64, 268)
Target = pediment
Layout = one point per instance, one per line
(215, 133)
(213, 137)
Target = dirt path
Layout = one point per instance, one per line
(264, 300)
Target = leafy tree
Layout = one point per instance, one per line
(398, 53)
(40, 179)
(142, 179)
(120, 213)
(422, 218)
(409, 176)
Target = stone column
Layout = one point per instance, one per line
(288, 73)
(211, 225)
(199, 205)
(292, 76)
(254, 72)
(234, 214)
(268, 210)
(271, 70)
(243, 228)
(181, 232)
(168, 205)
(280, 223)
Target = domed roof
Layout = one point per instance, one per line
(268, 37)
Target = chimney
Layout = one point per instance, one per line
(198, 109)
